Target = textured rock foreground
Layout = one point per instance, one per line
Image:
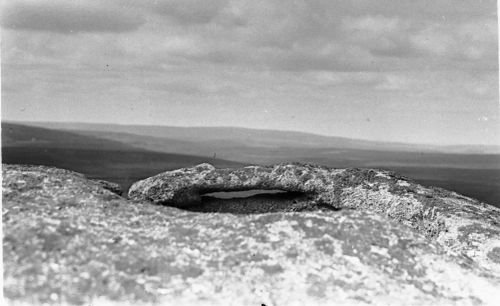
(69, 240)
(460, 224)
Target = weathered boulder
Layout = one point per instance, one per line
(113, 187)
(184, 187)
(68, 240)
(460, 224)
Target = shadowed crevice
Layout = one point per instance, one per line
(255, 202)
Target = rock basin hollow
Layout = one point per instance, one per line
(253, 202)
(242, 194)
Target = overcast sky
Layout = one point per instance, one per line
(407, 70)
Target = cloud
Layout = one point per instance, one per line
(329, 78)
(361, 80)
(393, 83)
(319, 35)
(289, 35)
(482, 87)
(188, 11)
(68, 17)
(382, 36)
(469, 41)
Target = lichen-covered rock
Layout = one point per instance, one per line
(113, 187)
(68, 240)
(460, 224)
(184, 187)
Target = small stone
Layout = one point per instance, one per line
(113, 187)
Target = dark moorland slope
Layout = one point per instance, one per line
(92, 156)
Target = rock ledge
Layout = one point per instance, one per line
(460, 224)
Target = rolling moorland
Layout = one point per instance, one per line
(125, 154)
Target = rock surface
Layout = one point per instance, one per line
(460, 224)
(69, 240)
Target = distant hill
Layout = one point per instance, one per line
(264, 138)
(268, 147)
(17, 135)
(92, 156)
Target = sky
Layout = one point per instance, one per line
(417, 71)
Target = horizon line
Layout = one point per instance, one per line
(260, 129)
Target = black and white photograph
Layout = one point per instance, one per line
(250, 152)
